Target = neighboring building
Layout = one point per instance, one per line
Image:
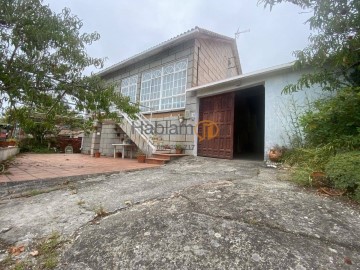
(69, 133)
(191, 78)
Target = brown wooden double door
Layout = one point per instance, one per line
(220, 110)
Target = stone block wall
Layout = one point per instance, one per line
(110, 133)
(86, 144)
(170, 131)
(213, 61)
(192, 106)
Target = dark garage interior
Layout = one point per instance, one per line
(249, 123)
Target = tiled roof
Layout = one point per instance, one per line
(194, 32)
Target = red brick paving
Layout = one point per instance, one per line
(27, 167)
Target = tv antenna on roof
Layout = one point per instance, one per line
(238, 32)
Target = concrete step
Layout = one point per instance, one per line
(153, 160)
(168, 156)
(163, 152)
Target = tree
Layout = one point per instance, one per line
(333, 54)
(334, 47)
(332, 126)
(42, 59)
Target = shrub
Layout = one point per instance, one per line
(334, 120)
(300, 175)
(314, 159)
(32, 145)
(344, 172)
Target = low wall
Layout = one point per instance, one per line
(8, 152)
(74, 142)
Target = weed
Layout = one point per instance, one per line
(73, 189)
(81, 202)
(10, 263)
(21, 266)
(7, 261)
(33, 192)
(48, 254)
(100, 212)
(51, 262)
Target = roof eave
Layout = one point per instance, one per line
(150, 52)
(165, 45)
(236, 80)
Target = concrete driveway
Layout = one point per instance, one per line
(195, 213)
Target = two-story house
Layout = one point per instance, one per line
(192, 92)
(158, 79)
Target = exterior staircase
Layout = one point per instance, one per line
(132, 127)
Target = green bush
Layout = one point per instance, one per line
(334, 120)
(344, 172)
(300, 175)
(313, 159)
(32, 145)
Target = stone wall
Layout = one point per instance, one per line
(169, 131)
(213, 61)
(86, 144)
(110, 133)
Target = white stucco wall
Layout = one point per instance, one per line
(8, 152)
(281, 109)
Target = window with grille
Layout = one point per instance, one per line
(129, 87)
(164, 88)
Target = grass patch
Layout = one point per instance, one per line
(312, 158)
(7, 262)
(48, 251)
(22, 266)
(46, 259)
(35, 192)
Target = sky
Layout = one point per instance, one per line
(132, 26)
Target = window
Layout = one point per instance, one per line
(129, 87)
(164, 88)
(150, 90)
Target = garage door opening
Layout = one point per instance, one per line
(249, 123)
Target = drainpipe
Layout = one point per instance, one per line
(197, 66)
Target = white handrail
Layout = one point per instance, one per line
(145, 137)
(143, 118)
